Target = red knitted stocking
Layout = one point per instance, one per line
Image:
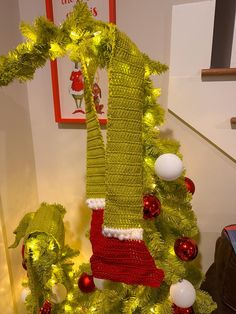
(127, 261)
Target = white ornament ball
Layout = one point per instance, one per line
(59, 293)
(99, 283)
(24, 294)
(182, 294)
(168, 167)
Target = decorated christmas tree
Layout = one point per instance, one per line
(143, 230)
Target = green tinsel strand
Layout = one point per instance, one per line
(154, 67)
(130, 305)
(204, 303)
(33, 303)
(194, 273)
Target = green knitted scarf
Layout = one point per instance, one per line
(115, 173)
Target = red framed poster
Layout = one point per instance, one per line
(67, 77)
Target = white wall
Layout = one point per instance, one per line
(18, 188)
(206, 105)
(211, 103)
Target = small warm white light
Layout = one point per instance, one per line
(68, 308)
(154, 186)
(97, 33)
(156, 92)
(70, 296)
(87, 61)
(74, 35)
(147, 71)
(155, 309)
(172, 251)
(148, 115)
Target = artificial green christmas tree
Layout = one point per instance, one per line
(143, 230)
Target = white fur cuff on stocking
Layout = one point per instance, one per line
(123, 234)
(96, 203)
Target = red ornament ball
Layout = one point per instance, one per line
(186, 249)
(23, 257)
(24, 265)
(86, 283)
(46, 308)
(189, 185)
(23, 251)
(179, 310)
(151, 206)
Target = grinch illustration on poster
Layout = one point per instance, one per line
(67, 77)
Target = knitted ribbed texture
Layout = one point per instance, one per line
(122, 170)
(124, 154)
(95, 159)
(95, 183)
(124, 261)
(47, 219)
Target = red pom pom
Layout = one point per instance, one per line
(186, 249)
(189, 185)
(151, 206)
(179, 310)
(46, 309)
(86, 283)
